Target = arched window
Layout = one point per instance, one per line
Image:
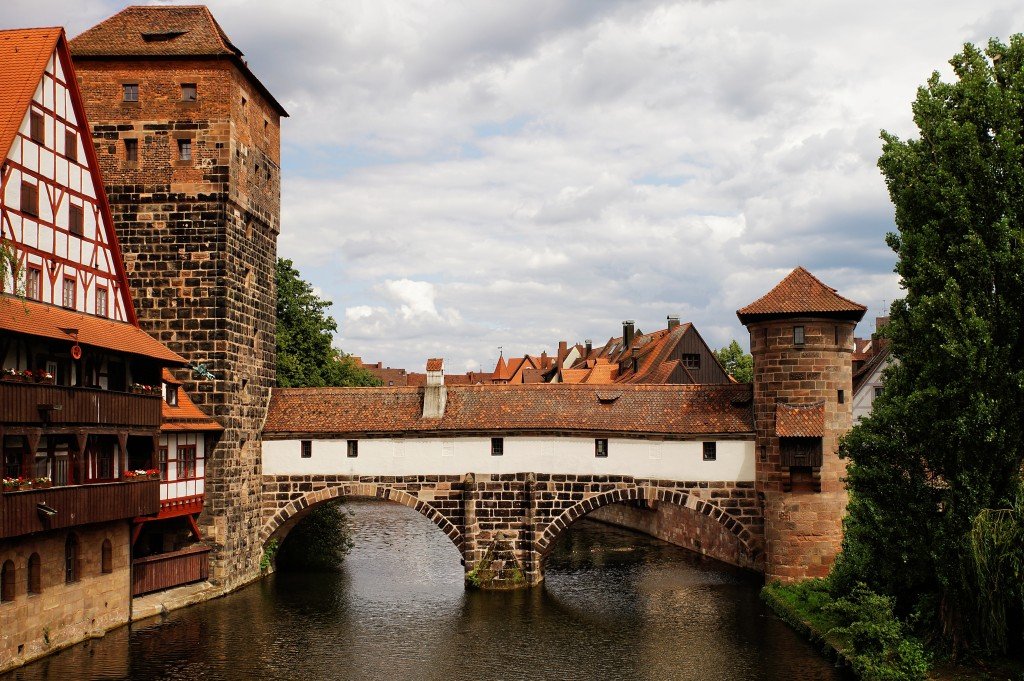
(7, 582)
(107, 559)
(35, 578)
(72, 571)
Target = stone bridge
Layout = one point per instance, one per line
(505, 524)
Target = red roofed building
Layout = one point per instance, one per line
(80, 407)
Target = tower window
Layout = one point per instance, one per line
(352, 449)
(798, 335)
(307, 449)
(36, 129)
(185, 149)
(601, 448)
(710, 451)
(497, 446)
(131, 150)
(188, 92)
(842, 396)
(130, 92)
(76, 220)
(71, 145)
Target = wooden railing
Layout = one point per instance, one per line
(166, 570)
(37, 510)
(39, 404)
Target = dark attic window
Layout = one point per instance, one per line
(798, 335)
(162, 36)
(189, 92)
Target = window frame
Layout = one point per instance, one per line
(71, 145)
(29, 200)
(33, 271)
(131, 150)
(690, 360)
(186, 459)
(76, 226)
(497, 446)
(130, 92)
(710, 450)
(68, 279)
(799, 335)
(305, 449)
(189, 88)
(104, 295)
(351, 449)
(37, 127)
(184, 148)
(600, 448)
(72, 564)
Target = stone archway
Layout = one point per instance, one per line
(287, 516)
(702, 510)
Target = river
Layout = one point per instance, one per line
(615, 605)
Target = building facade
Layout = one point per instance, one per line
(79, 395)
(189, 142)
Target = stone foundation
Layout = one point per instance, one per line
(35, 625)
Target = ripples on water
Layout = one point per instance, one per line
(615, 605)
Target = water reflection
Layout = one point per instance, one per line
(615, 605)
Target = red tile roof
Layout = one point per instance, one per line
(800, 420)
(23, 56)
(185, 415)
(800, 293)
(435, 364)
(39, 319)
(665, 409)
(169, 31)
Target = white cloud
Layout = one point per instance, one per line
(463, 176)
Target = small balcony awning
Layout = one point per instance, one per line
(793, 420)
(33, 318)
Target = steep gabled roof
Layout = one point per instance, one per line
(23, 56)
(801, 293)
(148, 32)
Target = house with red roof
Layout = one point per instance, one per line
(80, 382)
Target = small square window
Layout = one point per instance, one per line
(497, 446)
(71, 145)
(131, 150)
(710, 451)
(185, 150)
(29, 198)
(36, 129)
(601, 448)
(879, 390)
(101, 301)
(76, 220)
(131, 92)
(352, 449)
(307, 449)
(798, 335)
(691, 361)
(842, 397)
(188, 92)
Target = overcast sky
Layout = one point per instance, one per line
(459, 176)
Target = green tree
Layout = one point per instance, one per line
(320, 541)
(946, 440)
(306, 356)
(738, 363)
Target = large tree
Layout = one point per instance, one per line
(738, 363)
(946, 440)
(306, 356)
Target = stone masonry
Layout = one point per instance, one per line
(508, 523)
(199, 242)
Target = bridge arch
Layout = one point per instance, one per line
(288, 515)
(748, 542)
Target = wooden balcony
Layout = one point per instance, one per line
(40, 405)
(30, 510)
(166, 570)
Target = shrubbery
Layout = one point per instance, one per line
(320, 541)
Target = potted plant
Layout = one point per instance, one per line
(11, 375)
(15, 484)
(42, 376)
(43, 482)
(153, 474)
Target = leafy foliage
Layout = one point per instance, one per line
(738, 363)
(320, 541)
(946, 439)
(306, 356)
(9, 268)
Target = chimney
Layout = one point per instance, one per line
(435, 394)
(563, 351)
(634, 361)
(627, 333)
(589, 345)
(673, 322)
(544, 364)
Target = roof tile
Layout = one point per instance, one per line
(800, 293)
(800, 420)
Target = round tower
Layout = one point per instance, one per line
(801, 339)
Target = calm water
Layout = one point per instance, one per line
(616, 605)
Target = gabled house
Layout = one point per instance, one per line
(80, 406)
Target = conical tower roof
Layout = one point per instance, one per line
(801, 293)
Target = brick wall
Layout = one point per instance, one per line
(803, 528)
(199, 240)
(34, 625)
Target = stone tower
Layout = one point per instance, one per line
(189, 143)
(801, 338)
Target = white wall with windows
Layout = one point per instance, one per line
(182, 460)
(730, 460)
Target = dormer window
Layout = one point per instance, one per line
(798, 335)
(171, 394)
